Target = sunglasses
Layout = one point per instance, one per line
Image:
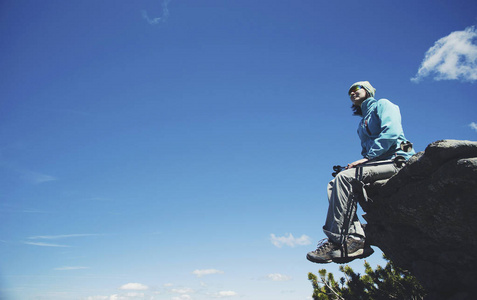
(354, 89)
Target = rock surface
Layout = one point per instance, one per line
(425, 218)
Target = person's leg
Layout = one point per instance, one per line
(342, 219)
(342, 205)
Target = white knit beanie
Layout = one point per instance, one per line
(367, 86)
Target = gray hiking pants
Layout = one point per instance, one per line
(342, 208)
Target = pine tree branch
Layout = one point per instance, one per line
(330, 287)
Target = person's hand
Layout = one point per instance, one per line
(358, 162)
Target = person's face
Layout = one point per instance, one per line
(357, 95)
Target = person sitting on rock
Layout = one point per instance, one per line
(381, 135)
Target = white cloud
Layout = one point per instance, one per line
(70, 268)
(182, 297)
(161, 19)
(182, 291)
(200, 273)
(451, 57)
(127, 296)
(135, 295)
(54, 237)
(289, 240)
(278, 277)
(28, 175)
(223, 294)
(36, 177)
(45, 244)
(473, 126)
(134, 286)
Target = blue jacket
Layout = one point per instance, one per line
(380, 130)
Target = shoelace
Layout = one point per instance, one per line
(322, 245)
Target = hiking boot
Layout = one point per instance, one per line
(322, 254)
(355, 248)
(327, 251)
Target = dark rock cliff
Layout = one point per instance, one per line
(425, 218)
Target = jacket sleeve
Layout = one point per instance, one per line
(390, 129)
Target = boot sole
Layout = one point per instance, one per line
(367, 251)
(310, 258)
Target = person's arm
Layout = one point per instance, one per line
(358, 162)
(391, 128)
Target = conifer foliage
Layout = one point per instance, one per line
(389, 282)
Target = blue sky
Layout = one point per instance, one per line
(181, 149)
